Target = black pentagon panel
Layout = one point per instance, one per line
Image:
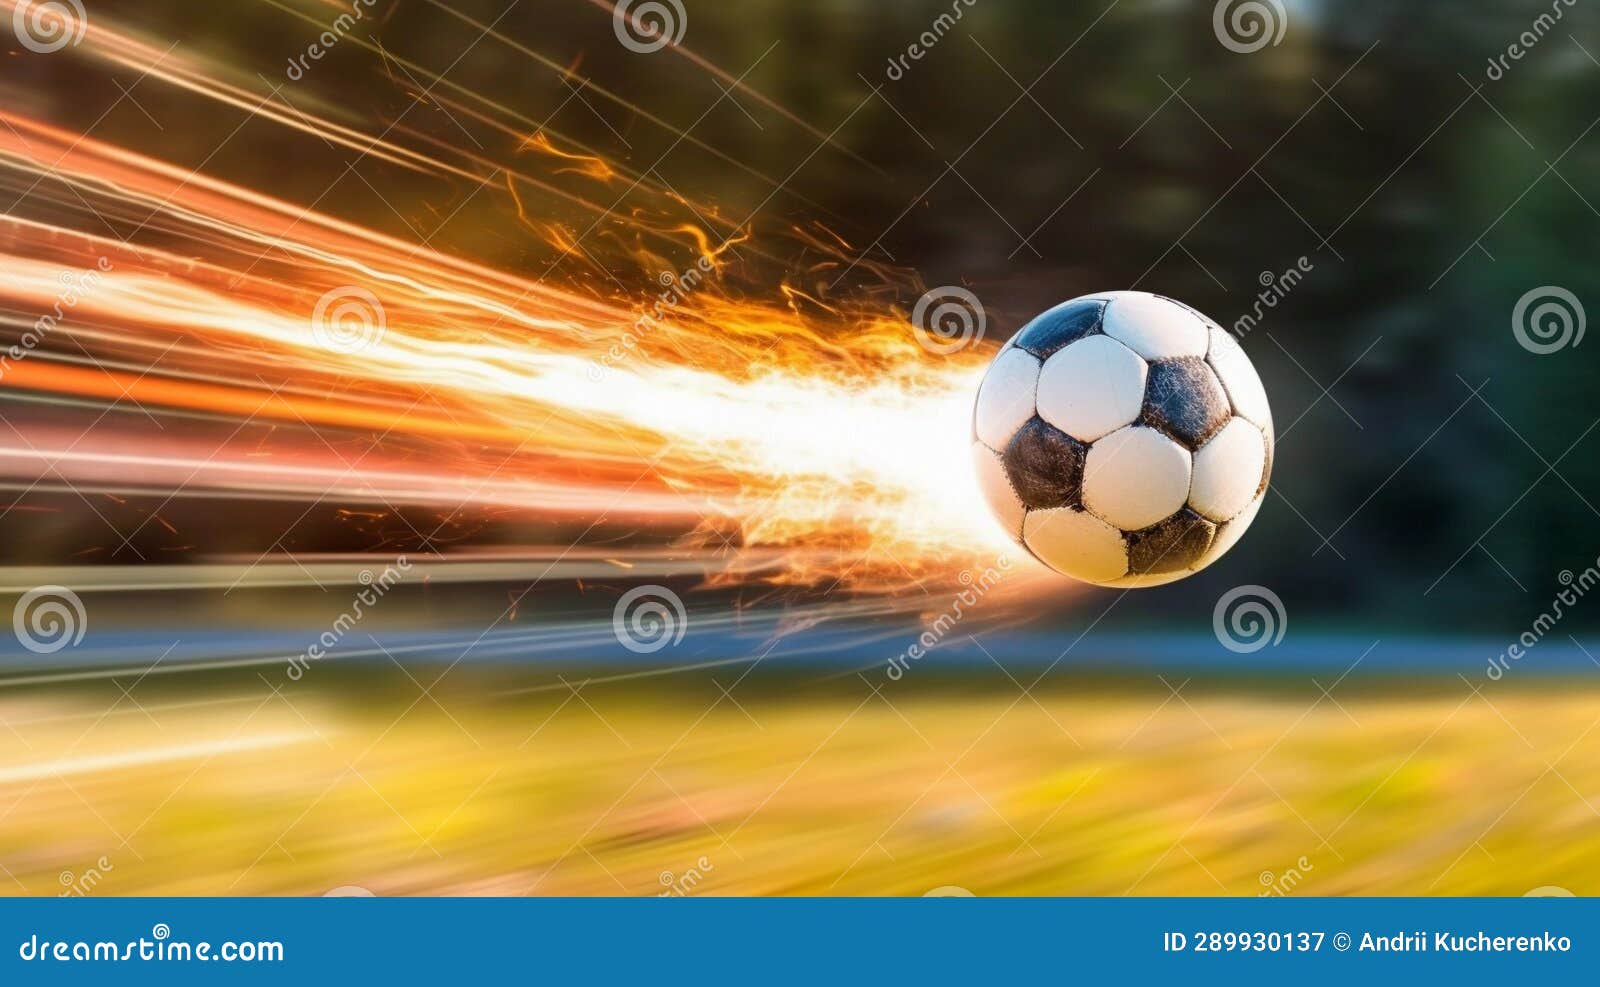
(1056, 327)
(1172, 545)
(1045, 466)
(1184, 399)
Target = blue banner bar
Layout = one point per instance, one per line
(744, 941)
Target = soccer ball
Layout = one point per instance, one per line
(1123, 439)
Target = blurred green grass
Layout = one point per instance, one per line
(1094, 786)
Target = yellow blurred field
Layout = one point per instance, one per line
(797, 786)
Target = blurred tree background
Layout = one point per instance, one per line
(1431, 472)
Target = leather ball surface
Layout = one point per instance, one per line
(1123, 439)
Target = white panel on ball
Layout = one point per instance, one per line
(1239, 378)
(1005, 398)
(1076, 543)
(1153, 327)
(1230, 534)
(997, 491)
(1227, 470)
(1135, 477)
(1092, 388)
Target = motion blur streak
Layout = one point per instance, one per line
(791, 422)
